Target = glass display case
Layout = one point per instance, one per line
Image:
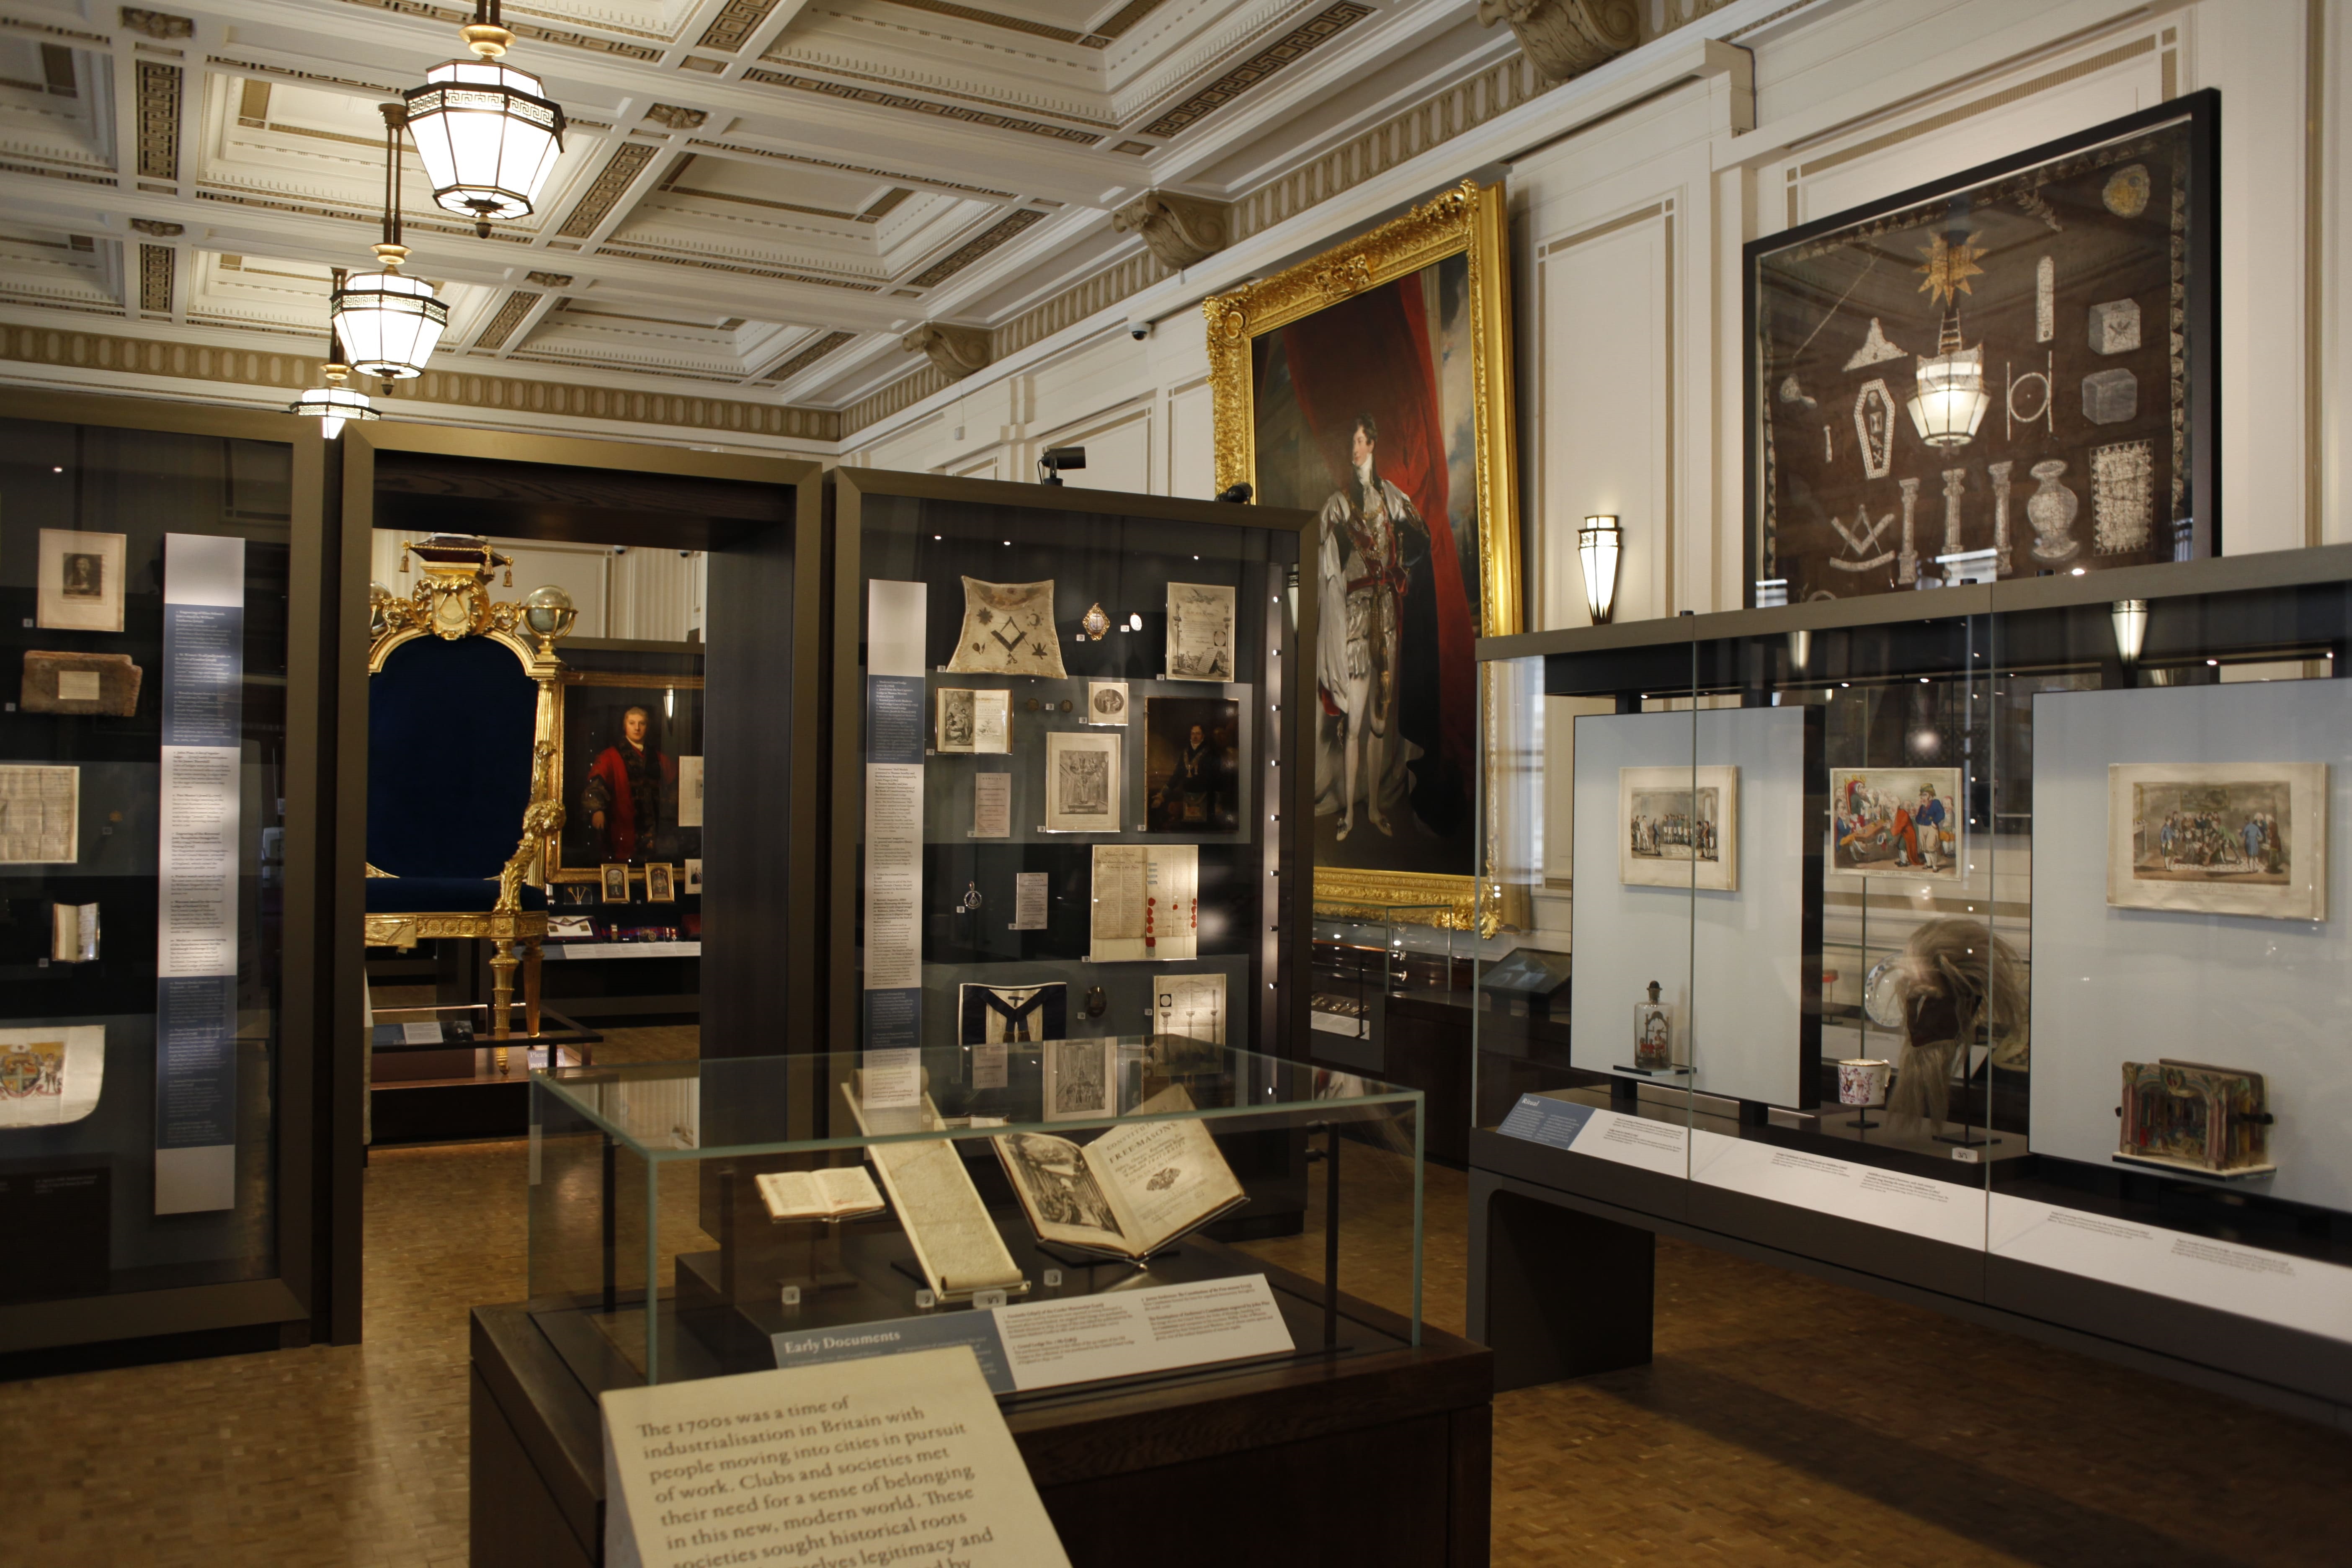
(1069, 804)
(688, 1220)
(2007, 918)
(157, 801)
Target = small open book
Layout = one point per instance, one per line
(1129, 1192)
(839, 1191)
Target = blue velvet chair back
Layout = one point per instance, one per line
(450, 727)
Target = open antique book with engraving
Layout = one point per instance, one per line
(955, 1241)
(839, 1191)
(1131, 1191)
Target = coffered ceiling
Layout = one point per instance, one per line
(759, 196)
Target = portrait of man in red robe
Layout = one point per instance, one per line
(630, 793)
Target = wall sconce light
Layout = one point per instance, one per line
(1598, 544)
(2130, 617)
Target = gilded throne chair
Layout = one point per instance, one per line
(462, 705)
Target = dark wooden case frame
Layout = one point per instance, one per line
(761, 987)
(2204, 326)
(298, 1301)
(1282, 1014)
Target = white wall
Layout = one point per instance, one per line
(1627, 237)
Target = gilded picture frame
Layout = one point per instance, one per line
(1447, 264)
(674, 704)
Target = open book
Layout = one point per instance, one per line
(1129, 1192)
(839, 1191)
(955, 1241)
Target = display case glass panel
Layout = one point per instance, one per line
(1066, 796)
(150, 742)
(2027, 940)
(684, 1215)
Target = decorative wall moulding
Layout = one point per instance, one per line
(1565, 38)
(956, 351)
(1183, 231)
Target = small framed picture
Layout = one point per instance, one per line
(81, 581)
(694, 874)
(1107, 702)
(616, 883)
(661, 883)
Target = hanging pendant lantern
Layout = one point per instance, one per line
(334, 403)
(389, 322)
(488, 133)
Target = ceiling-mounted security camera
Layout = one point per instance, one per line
(1138, 330)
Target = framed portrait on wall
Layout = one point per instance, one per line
(1373, 384)
(2009, 372)
(628, 772)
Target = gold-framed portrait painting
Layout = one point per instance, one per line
(1373, 384)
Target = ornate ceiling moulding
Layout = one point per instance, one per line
(806, 357)
(919, 180)
(954, 351)
(619, 172)
(156, 266)
(159, 120)
(157, 24)
(1183, 231)
(1310, 35)
(677, 118)
(557, 36)
(510, 316)
(735, 22)
(96, 356)
(882, 100)
(548, 279)
(158, 227)
(1565, 38)
(972, 249)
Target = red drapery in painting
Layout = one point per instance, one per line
(1372, 355)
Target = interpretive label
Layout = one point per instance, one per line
(894, 813)
(1867, 1194)
(2272, 1287)
(1082, 1339)
(991, 805)
(1660, 1146)
(893, 1459)
(197, 865)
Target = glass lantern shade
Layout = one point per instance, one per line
(487, 137)
(388, 323)
(1951, 400)
(333, 405)
(1597, 546)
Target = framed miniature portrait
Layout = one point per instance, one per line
(694, 874)
(616, 883)
(2011, 370)
(80, 581)
(661, 883)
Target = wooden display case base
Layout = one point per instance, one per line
(1377, 1460)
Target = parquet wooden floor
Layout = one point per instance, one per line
(1784, 1422)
